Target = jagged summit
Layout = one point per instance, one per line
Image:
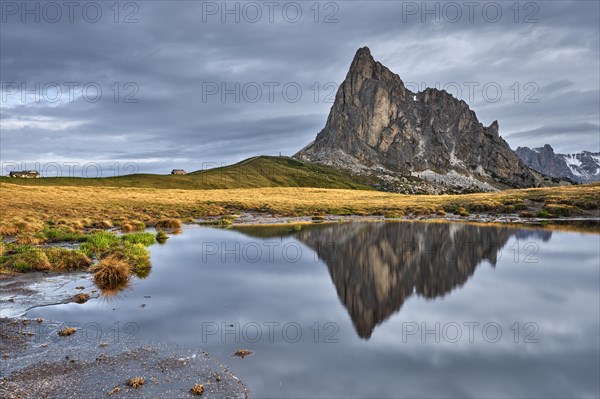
(583, 167)
(377, 125)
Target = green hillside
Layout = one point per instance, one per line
(261, 171)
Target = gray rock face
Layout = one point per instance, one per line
(583, 167)
(377, 124)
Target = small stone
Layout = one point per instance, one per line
(81, 298)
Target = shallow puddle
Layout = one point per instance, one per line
(370, 309)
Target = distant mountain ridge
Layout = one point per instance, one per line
(582, 167)
(376, 125)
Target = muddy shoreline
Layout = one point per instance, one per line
(37, 361)
(265, 219)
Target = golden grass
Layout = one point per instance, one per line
(26, 208)
(111, 273)
(133, 225)
(168, 224)
(29, 239)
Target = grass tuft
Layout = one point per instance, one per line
(145, 239)
(104, 224)
(462, 212)
(394, 215)
(63, 259)
(161, 237)
(30, 239)
(99, 243)
(168, 224)
(62, 234)
(26, 258)
(544, 213)
(133, 225)
(111, 273)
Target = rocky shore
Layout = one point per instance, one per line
(48, 359)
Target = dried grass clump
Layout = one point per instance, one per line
(29, 225)
(77, 225)
(104, 224)
(7, 228)
(394, 215)
(30, 239)
(135, 382)
(111, 273)
(67, 331)
(197, 389)
(132, 225)
(169, 224)
(461, 211)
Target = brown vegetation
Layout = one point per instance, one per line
(168, 224)
(197, 389)
(63, 259)
(135, 382)
(65, 332)
(111, 273)
(81, 298)
(243, 353)
(29, 207)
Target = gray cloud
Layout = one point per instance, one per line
(175, 52)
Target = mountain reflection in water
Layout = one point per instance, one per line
(376, 267)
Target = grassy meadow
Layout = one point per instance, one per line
(29, 208)
(261, 171)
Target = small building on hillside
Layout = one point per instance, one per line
(178, 172)
(28, 174)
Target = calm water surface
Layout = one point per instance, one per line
(373, 309)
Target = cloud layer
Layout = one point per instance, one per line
(196, 83)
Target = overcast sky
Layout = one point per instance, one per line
(190, 84)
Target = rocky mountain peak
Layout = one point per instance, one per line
(583, 167)
(376, 125)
